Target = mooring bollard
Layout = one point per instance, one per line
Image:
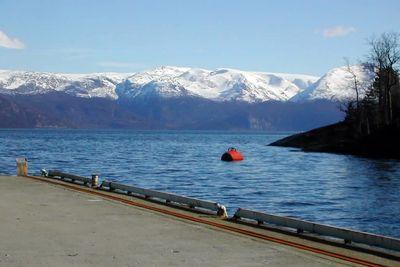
(22, 167)
(222, 213)
(95, 180)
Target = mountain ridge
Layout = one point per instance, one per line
(173, 98)
(222, 84)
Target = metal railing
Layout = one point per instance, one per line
(219, 209)
(190, 202)
(301, 226)
(71, 177)
(321, 229)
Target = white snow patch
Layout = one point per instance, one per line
(338, 84)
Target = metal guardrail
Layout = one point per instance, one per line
(299, 225)
(321, 229)
(193, 203)
(63, 175)
(168, 197)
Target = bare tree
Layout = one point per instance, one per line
(355, 108)
(385, 50)
(376, 105)
(355, 81)
(385, 55)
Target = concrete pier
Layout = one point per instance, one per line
(44, 224)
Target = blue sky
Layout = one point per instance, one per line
(304, 36)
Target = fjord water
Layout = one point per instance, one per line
(340, 190)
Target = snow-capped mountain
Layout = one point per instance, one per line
(219, 85)
(172, 82)
(158, 82)
(82, 85)
(338, 84)
(221, 99)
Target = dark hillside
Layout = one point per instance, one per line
(66, 111)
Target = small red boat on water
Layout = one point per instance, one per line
(232, 155)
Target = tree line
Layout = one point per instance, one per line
(377, 105)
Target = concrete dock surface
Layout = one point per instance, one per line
(43, 224)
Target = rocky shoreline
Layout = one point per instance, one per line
(340, 138)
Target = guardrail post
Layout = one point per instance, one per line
(22, 167)
(95, 180)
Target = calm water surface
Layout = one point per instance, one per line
(341, 190)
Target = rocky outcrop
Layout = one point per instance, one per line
(341, 138)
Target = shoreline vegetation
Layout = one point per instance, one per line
(371, 126)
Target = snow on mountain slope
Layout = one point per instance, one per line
(219, 85)
(228, 84)
(338, 84)
(158, 82)
(95, 85)
(82, 85)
